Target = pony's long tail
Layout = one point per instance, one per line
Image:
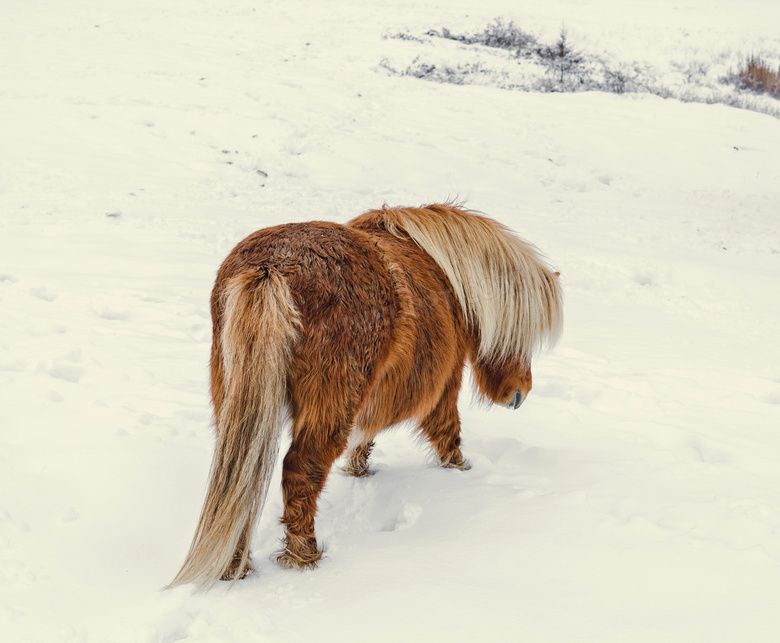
(259, 326)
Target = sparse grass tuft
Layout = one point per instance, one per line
(404, 35)
(442, 73)
(497, 34)
(756, 76)
(506, 36)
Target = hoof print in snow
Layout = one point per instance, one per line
(66, 372)
(70, 515)
(114, 314)
(43, 294)
(644, 277)
(405, 518)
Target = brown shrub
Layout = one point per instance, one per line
(756, 75)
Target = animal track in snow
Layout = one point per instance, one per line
(68, 368)
(114, 314)
(42, 293)
(67, 372)
(402, 518)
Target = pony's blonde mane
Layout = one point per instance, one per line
(504, 285)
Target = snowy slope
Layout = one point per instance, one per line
(634, 497)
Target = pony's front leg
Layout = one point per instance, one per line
(442, 427)
(306, 467)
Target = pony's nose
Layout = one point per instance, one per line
(518, 400)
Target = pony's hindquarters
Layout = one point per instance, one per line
(259, 325)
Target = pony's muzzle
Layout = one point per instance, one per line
(517, 400)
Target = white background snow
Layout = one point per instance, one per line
(634, 497)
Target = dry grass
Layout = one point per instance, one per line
(498, 34)
(756, 75)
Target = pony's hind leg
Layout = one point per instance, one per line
(442, 427)
(231, 573)
(306, 467)
(359, 450)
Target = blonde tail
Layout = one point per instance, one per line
(260, 325)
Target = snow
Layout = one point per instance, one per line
(634, 497)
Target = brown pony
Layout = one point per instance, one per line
(353, 329)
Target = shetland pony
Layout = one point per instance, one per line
(352, 329)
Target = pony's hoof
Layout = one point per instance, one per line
(300, 552)
(456, 461)
(290, 560)
(357, 472)
(234, 572)
(463, 466)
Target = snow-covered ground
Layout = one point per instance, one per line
(634, 497)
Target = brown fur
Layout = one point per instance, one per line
(354, 329)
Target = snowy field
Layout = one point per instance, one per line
(634, 497)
